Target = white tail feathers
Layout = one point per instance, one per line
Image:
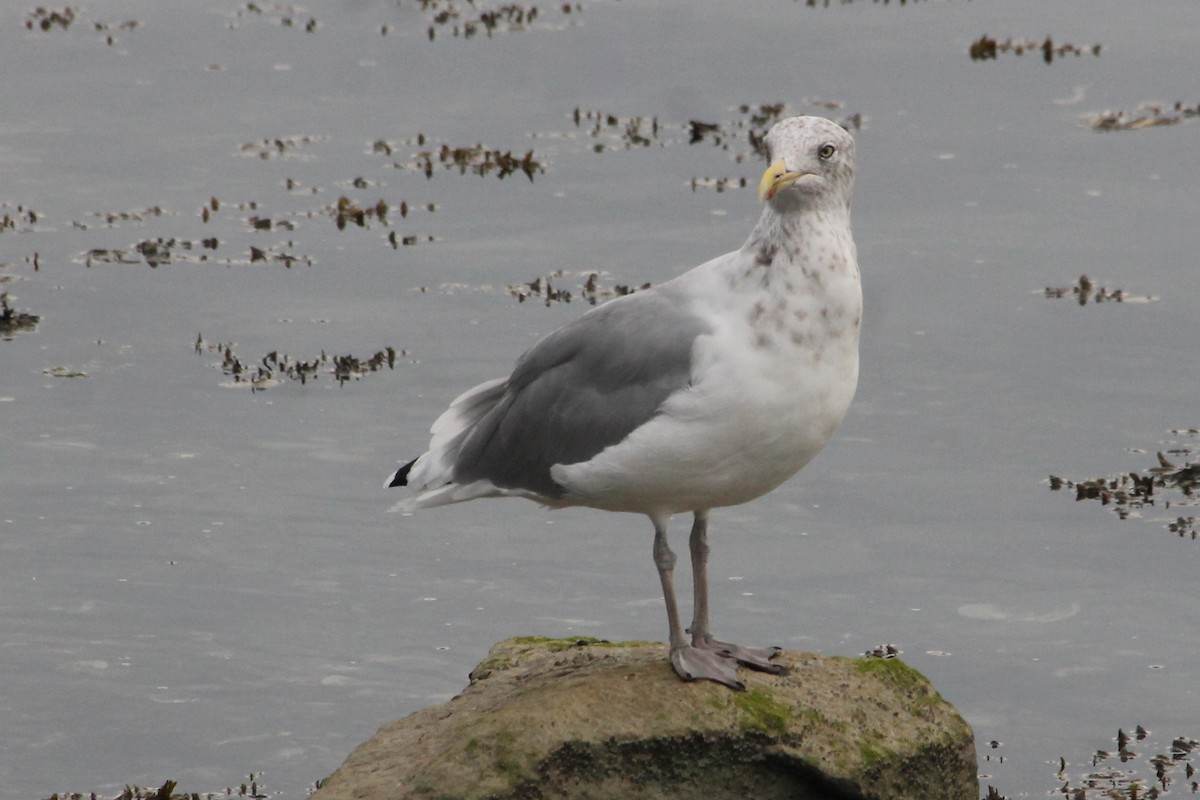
(432, 475)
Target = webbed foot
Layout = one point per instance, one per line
(758, 658)
(704, 664)
(711, 660)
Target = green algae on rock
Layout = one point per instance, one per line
(574, 718)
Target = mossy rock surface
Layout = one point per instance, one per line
(584, 718)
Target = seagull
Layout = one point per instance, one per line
(706, 391)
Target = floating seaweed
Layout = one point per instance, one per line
(107, 28)
(46, 19)
(467, 19)
(154, 252)
(13, 321)
(286, 14)
(614, 132)
(1085, 290)
(280, 147)
(159, 251)
(17, 219)
(1168, 486)
(757, 121)
(272, 368)
(64, 372)
(1126, 773)
(987, 48)
(719, 184)
(407, 240)
(279, 255)
(478, 160)
(590, 291)
(112, 219)
(1149, 115)
(346, 210)
(249, 788)
(1119, 775)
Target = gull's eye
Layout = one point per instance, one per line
(826, 152)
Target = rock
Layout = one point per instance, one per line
(585, 718)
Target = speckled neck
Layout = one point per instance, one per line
(802, 285)
(804, 240)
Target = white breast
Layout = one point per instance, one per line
(769, 387)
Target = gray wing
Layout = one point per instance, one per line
(585, 386)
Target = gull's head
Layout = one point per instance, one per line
(812, 164)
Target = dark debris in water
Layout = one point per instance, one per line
(17, 219)
(112, 219)
(1085, 290)
(1149, 115)
(64, 372)
(591, 291)
(13, 321)
(1134, 774)
(468, 19)
(154, 252)
(347, 212)
(1137, 769)
(250, 788)
(614, 132)
(288, 15)
(47, 19)
(719, 184)
(987, 48)
(1170, 486)
(159, 251)
(274, 367)
(108, 28)
(478, 160)
(280, 147)
(407, 240)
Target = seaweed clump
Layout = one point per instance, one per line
(1129, 772)
(468, 19)
(986, 48)
(1085, 290)
(591, 291)
(249, 788)
(274, 367)
(13, 321)
(1168, 486)
(1149, 115)
(46, 19)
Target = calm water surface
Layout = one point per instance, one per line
(198, 581)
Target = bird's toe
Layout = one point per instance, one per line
(758, 658)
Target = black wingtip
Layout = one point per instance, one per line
(400, 478)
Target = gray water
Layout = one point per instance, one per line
(199, 581)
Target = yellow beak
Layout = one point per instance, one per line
(775, 179)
